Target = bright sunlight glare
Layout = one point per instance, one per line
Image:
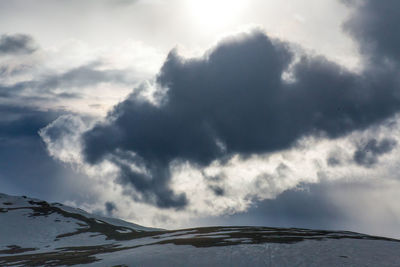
(215, 13)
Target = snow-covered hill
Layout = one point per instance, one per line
(36, 233)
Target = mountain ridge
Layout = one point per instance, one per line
(37, 233)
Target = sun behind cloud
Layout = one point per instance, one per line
(211, 14)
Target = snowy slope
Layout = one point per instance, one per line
(36, 233)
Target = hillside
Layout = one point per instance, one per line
(37, 233)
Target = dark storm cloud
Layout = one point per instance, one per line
(17, 44)
(367, 154)
(193, 117)
(375, 27)
(234, 101)
(213, 107)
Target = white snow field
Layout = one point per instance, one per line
(36, 233)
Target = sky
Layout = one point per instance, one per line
(191, 113)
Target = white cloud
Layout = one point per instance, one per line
(244, 181)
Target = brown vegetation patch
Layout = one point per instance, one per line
(14, 249)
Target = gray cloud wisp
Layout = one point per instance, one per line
(17, 44)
